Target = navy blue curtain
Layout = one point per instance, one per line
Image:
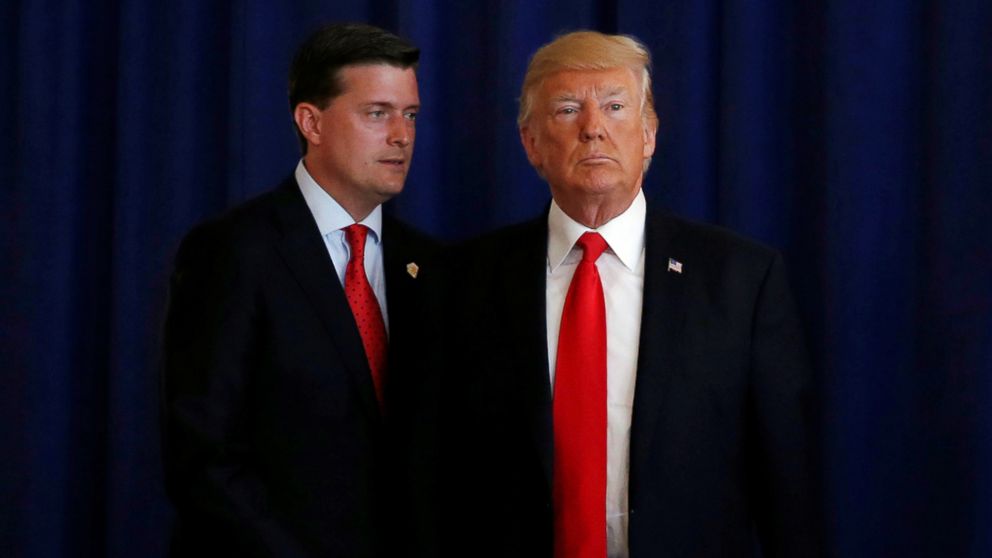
(855, 136)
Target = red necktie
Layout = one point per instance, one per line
(365, 306)
(580, 413)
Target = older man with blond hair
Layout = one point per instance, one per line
(629, 383)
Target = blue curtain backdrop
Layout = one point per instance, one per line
(856, 136)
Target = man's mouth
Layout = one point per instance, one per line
(596, 158)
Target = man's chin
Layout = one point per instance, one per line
(601, 185)
(388, 190)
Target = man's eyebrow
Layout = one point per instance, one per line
(389, 105)
(615, 91)
(573, 98)
(565, 98)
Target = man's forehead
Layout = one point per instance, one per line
(580, 83)
(363, 69)
(379, 84)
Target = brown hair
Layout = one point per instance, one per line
(314, 76)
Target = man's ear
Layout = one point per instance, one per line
(650, 134)
(529, 141)
(307, 117)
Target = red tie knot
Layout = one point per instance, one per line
(356, 234)
(592, 245)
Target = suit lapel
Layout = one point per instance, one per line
(398, 281)
(402, 290)
(527, 282)
(305, 253)
(662, 322)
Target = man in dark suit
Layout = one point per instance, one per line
(627, 383)
(293, 327)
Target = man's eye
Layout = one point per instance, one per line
(410, 116)
(377, 113)
(568, 110)
(616, 106)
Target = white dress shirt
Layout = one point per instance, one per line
(621, 269)
(331, 220)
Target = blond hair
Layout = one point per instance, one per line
(588, 50)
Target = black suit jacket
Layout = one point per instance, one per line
(273, 439)
(721, 447)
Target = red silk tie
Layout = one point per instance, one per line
(365, 306)
(580, 413)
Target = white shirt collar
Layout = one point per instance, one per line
(624, 233)
(328, 213)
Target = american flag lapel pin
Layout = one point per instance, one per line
(674, 265)
(412, 268)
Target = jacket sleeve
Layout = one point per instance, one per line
(784, 461)
(208, 343)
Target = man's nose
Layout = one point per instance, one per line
(400, 132)
(593, 125)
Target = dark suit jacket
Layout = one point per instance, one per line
(273, 439)
(721, 432)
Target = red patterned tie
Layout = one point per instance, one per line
(365, 306)
(580, 413)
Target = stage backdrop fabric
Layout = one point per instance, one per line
(856, 136)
